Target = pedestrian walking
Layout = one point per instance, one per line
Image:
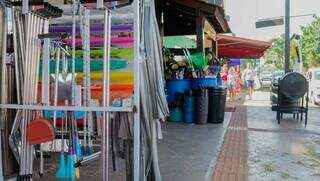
(238, 85)
(224, 76)
(232, 76)
(249, 77)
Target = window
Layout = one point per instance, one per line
(317, 75)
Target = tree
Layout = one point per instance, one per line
(310, 43)
(275, 55)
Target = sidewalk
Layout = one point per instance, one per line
(232, 160)
(186, 153)
(256, 148)
(288, 151)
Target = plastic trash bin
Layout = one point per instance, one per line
(217, 103)
(188, 107)
(176, 115)
(201, 106)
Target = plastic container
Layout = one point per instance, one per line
(217, 103)
(176, 86)
(39, 131)
(188, 107)
(176, 115)
(200, 83)
(201, 106)
(60, 114)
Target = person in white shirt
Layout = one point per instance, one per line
(248, 77)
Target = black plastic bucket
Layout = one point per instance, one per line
(201, 106)
(217, 103)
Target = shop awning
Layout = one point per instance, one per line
(180, 16)
(235, 47)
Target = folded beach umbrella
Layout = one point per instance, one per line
(153, 100)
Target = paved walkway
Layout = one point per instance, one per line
(187, 153)
(232, 160)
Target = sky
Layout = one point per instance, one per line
(244, 13)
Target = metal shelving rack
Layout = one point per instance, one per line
(106, 108)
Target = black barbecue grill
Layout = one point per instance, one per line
(293, 96)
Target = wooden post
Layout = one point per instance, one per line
(199, 30)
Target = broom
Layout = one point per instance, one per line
(70, 159)
(76, 143)
(62, 171)
(76, 138)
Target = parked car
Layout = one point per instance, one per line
(274, 86)
(314, 85)
(265, 79)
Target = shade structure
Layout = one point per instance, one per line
(236, 47)
(180, 16)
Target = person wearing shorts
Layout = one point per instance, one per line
(248, 77)
(250, 83)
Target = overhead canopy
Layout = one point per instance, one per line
(180, 16)
(235, 47)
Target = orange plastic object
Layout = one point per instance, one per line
(39, 131)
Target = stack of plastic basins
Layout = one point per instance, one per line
(188, 107)
(217, 102)
(201, 106)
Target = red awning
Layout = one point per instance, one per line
(235, 47)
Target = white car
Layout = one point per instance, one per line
(265, 79)
(314, 85)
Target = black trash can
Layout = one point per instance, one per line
(217, 103)
(201, 106)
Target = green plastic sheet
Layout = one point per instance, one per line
(95, 65)
(122, 53)
(199, 61)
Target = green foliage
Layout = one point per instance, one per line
(310, 47)
(275, 55)
(310, 43)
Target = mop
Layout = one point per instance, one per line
(75, 150)
(62, 171)
(76, 143)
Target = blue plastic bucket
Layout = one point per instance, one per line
(200, 83)
(176, 86)
(59, 114)
(188, 107)
(176, 115)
